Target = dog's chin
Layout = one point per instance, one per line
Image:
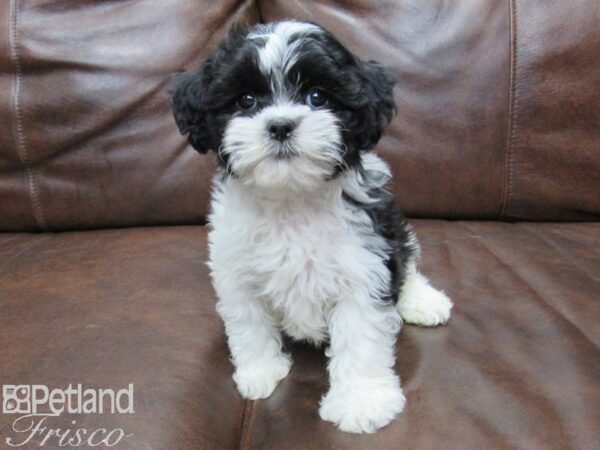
(285, 173)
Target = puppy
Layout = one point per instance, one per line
(304, 238)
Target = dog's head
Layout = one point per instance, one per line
(284, 105)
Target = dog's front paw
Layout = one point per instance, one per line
(363, 407)
(258, 379)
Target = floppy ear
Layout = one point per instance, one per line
(378, 85)
(186, 102)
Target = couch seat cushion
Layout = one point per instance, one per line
(517, 366)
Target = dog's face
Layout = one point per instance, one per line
(285, 106)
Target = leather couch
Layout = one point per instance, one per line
(496, 155)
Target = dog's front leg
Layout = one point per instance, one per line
(365, 391)
(255, 343)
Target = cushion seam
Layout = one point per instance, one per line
(512, 105)
(18, 131)
(247, 419)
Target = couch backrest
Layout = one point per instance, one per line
(87, 138)
(498, 105)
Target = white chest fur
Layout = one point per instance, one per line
(297, 255)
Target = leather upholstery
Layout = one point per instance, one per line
(109, 308)
(89, 139)
(553, 156)
(498, 113)
(452, 94)
(498, 101)
(497, 106)
(517, 366)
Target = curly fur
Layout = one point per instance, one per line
(304, 239)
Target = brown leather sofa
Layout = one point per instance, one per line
(496, 154)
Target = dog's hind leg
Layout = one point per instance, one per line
(420, 303)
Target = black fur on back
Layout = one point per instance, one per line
(387, 221)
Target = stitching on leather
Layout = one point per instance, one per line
(512, 104)
(20, 141)
(247, 419)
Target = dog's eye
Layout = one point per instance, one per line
(316, 98)
(246, 101)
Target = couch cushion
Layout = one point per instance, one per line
(87, 138)
(517, 366)
(498, 102)
(110, 308)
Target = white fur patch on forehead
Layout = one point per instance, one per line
(279, 51)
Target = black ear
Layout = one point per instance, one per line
(378, 86)
(186, 102)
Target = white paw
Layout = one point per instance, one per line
(363, 407)
(259, 378)
(421, 304)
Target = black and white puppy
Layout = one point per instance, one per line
(304, 238)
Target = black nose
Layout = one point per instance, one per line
(281, 129)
